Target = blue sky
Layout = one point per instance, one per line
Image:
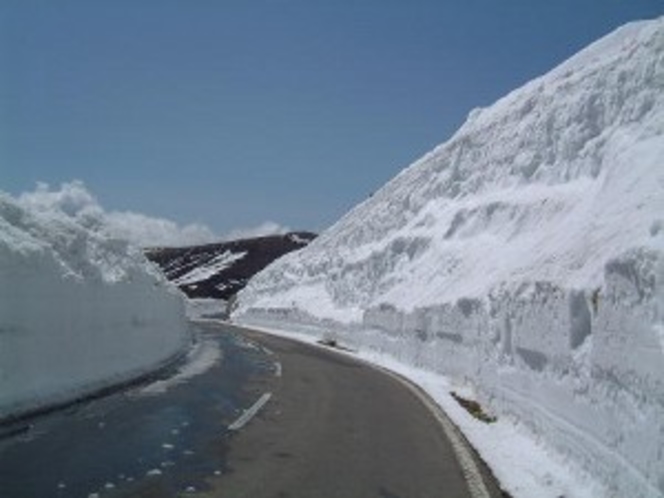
(233, 112)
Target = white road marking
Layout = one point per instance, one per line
(277, 369)
(250, 413)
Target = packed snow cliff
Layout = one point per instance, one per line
(79, 309)
(524, 256)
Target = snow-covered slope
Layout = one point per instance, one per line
(221, 269)
(524, 256)
(78, 310)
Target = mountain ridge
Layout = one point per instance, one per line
(219, 270)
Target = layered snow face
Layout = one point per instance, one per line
(524, 256)
(79, 310)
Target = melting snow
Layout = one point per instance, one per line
(201, 358)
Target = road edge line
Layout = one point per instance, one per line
(464, 456)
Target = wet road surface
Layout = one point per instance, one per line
(172, 435)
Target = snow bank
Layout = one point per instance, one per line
(79, 310)
(525, 257)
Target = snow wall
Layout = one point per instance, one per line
(525, 256)
(79, 310)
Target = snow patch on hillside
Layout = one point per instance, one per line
(524, 258)
(79, 309)
(210, 268)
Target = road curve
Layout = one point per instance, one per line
(336, 427)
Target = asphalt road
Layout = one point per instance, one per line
(329, 426)
(335, 427)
